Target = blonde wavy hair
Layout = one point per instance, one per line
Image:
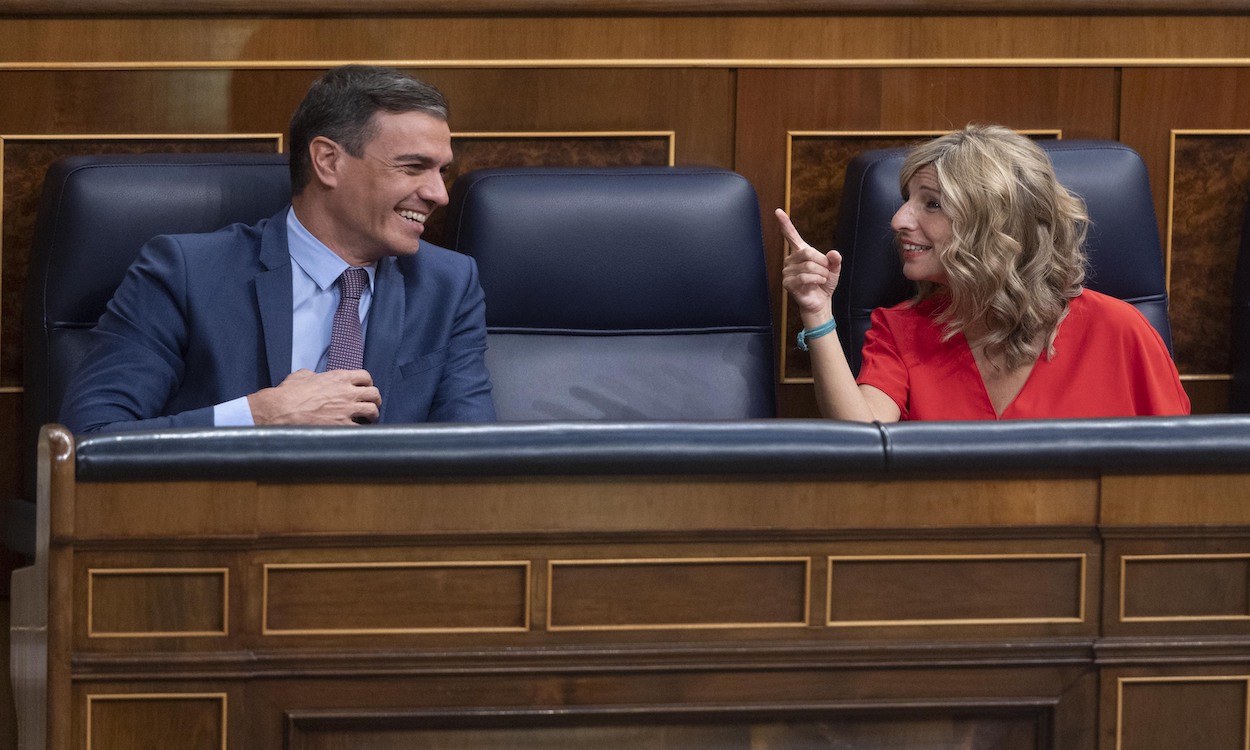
(1017, 251)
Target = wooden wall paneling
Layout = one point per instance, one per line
(177, 721)
(729, 88)
(364, 598)
(975, 674)
(354, 631)
(1184, 587)
(685, 592)
(926, 590)
(624, 505)
(1157, 709)
(559, 7)
(143, 100)
(516, 38)
(1142, 503)
(693, 101)
(214, 608)
(882, 106)
(697, 104)
(157, 602)
(1192, 127)
(937, 590)
(1172, 586)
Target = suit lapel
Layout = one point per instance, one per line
(386, 325)
(273, 298)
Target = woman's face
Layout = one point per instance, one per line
(922, 229)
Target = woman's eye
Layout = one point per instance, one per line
(933, 206)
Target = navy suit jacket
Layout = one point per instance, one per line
(201, 319)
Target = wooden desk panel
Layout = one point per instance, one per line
(748, 611)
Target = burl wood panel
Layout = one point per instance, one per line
(1208, 192)
(550, 150)
(1210, 188)
(628, 594)
(129, 603)
(395, 598)
(169, 722)
(935, 590)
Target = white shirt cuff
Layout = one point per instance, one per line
(236, 413)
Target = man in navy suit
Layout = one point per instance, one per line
(233, 327)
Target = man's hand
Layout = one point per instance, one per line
(315, 398)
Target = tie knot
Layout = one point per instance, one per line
(353, 282)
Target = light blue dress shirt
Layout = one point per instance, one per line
(315, 270)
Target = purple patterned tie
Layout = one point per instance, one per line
(347, 346)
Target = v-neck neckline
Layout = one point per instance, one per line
(980, 378)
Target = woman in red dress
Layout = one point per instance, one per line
(1001, 326)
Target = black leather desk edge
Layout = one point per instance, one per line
(1133, 444)
(751, 447)
(521, 448)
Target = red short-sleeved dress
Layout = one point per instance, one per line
(1109, 361)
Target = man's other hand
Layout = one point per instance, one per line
(318, 398)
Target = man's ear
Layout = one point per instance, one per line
(327, 160)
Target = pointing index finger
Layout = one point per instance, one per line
(787, 228)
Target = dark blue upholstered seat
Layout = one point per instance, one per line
(94, 215)
(620, 293)
(1126, 258)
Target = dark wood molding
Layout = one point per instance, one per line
(620, 7)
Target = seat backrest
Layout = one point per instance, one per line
(620, 293)
(1125, 255)
(94, 215)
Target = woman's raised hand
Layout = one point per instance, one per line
(809, 275)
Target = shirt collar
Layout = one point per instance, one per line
(322, 264)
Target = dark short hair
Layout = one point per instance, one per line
(340, 105)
